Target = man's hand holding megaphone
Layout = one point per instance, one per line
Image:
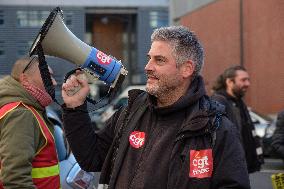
(75, 90)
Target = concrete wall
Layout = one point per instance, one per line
(252, 35)
(182, 7)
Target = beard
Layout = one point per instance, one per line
(239, 92)
(162, 85)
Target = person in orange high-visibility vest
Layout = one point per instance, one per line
(27, 147)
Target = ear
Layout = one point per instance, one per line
(230, 86)
(187, 69)
(229, 83)
(23, 78)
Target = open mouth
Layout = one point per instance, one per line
(151, 79)
(151, 76)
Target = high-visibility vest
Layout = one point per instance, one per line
(45, 167)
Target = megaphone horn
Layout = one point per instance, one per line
(57, 40)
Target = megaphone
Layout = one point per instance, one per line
(57, 40)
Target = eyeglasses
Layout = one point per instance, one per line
(29, 64)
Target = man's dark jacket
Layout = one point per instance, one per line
(172, 134)
(238, 113)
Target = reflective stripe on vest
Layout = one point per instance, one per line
(45, 170)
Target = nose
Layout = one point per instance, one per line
(149, 66)
(246, 83)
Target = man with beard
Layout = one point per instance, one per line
(230, 87)
(172, 136)
(27, 147)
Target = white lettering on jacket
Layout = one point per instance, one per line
(201, 163)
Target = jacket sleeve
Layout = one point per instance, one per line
(230, 170)
(19, 140)
(278, 136)
(89, 148)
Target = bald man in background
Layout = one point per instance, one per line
(27, 148)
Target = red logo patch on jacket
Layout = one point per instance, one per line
(201, 163)
(137, 139)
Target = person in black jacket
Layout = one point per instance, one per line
(172, 136)
(230, 87)
(278, 136)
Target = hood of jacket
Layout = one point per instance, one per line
(194, 105)
(12, 91)
(193, 95)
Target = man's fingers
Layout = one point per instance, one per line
(82, 79)
(74, 81)
(71, 82)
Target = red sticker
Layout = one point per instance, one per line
(201, 163)
(137, 139)
(103, 58)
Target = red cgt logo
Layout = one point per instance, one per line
(201, 163)
(137, 139)
(103, 58)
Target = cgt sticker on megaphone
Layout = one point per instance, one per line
(103, 58)
(104, 66)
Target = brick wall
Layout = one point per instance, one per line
(218, 26)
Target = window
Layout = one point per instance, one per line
(31, 18)
(23, 48)
(154, 19)
(1, 17)
(2, 48)
(68, 18)
(2, 52)
(37, 18)
(158, 19)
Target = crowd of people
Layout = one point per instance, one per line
(173, 135)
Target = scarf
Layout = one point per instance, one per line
(40, 95)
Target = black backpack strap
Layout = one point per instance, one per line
(218, 110)
(216, 124)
